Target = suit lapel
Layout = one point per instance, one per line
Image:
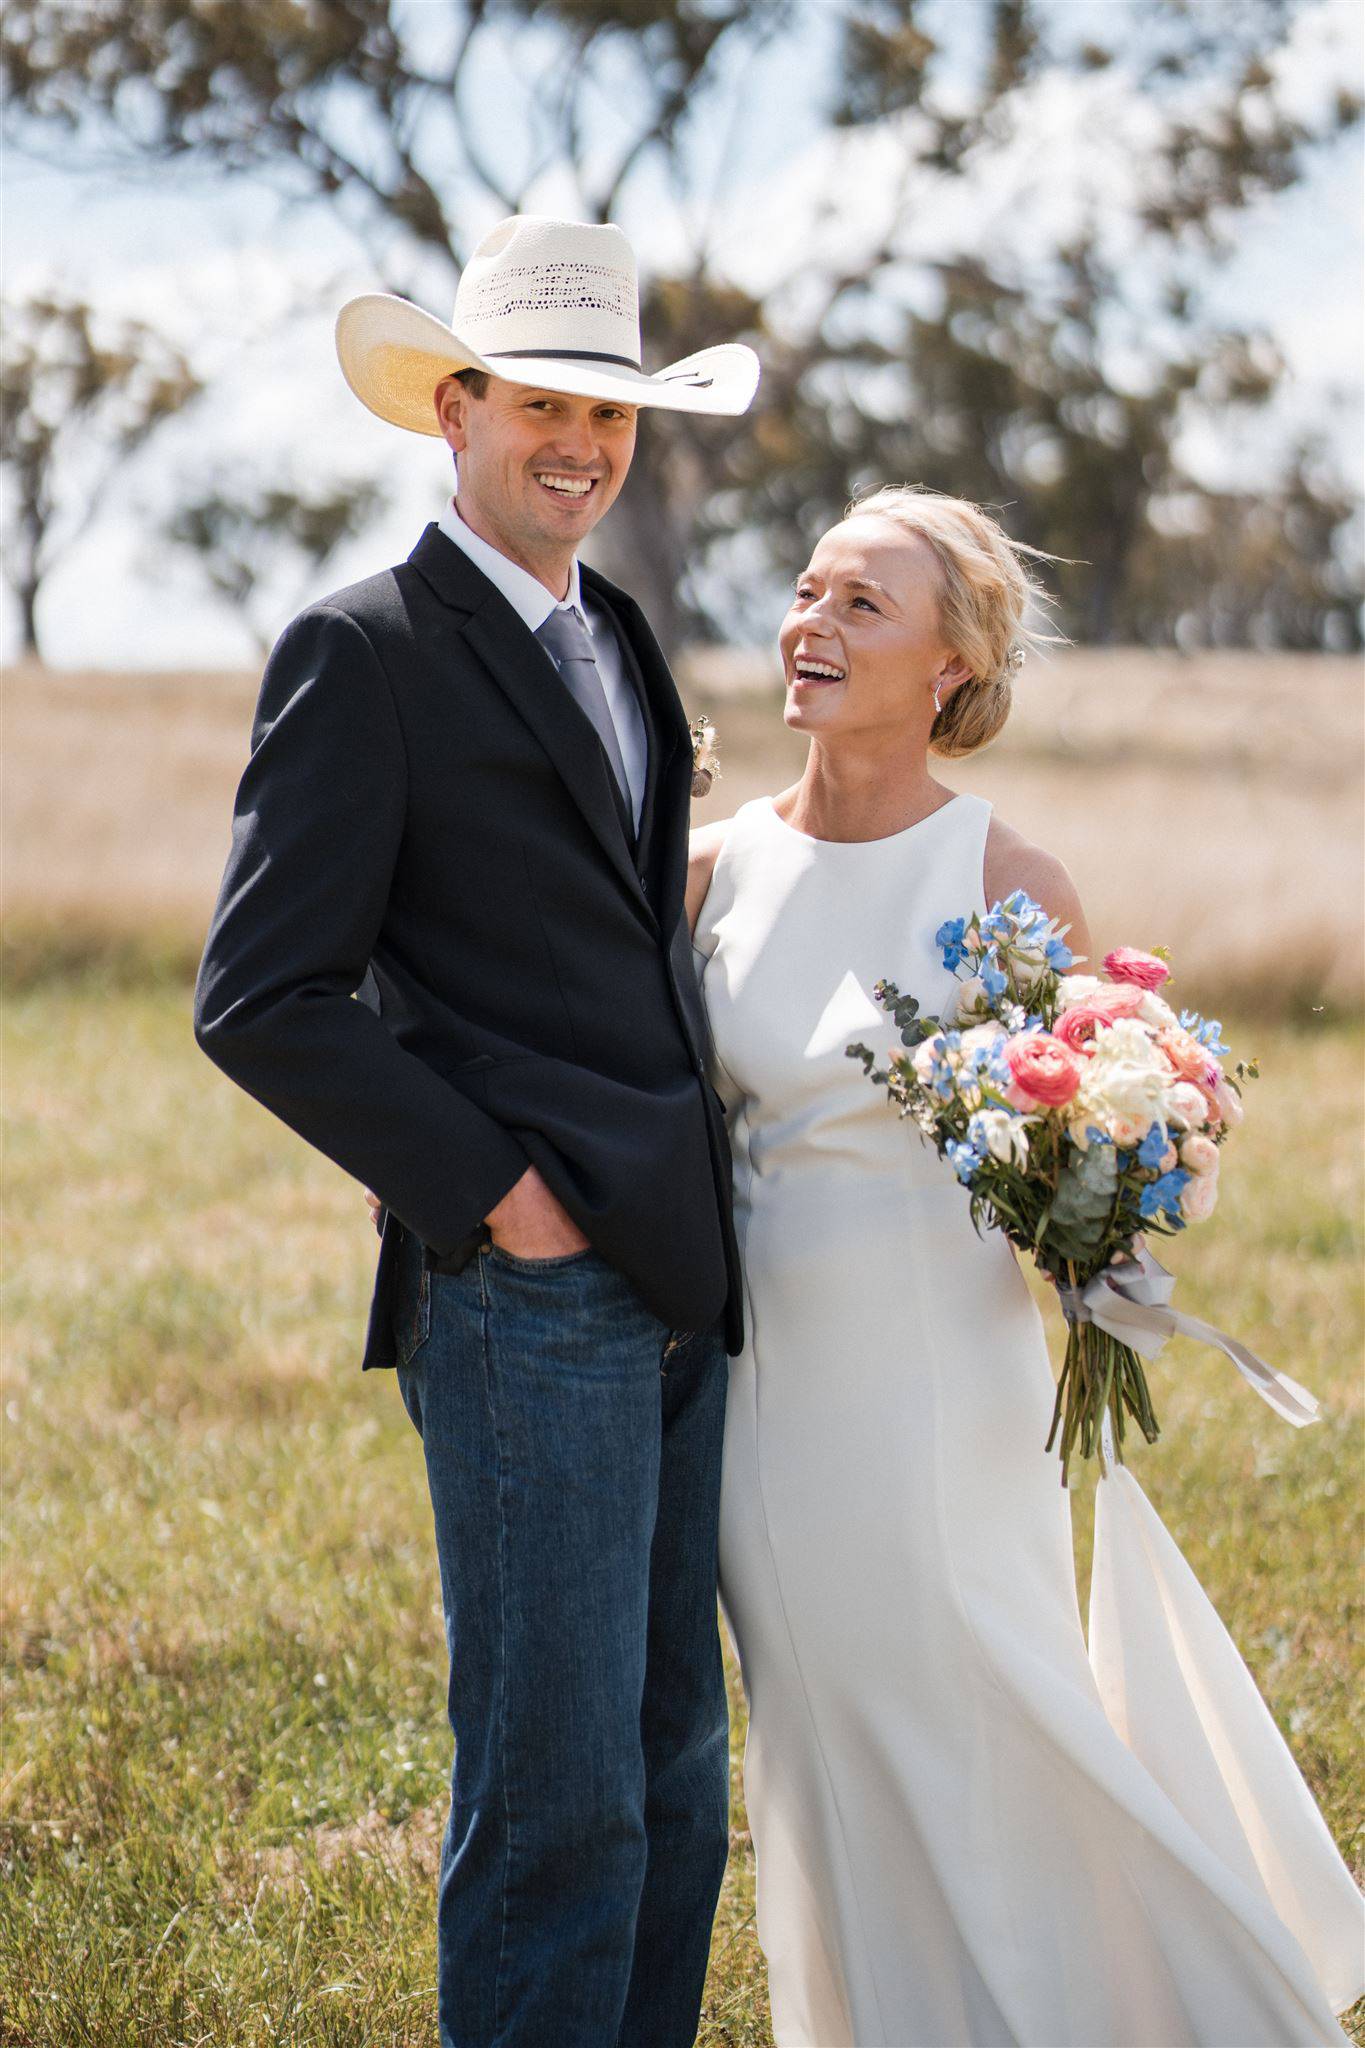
(526, 675)
(665, 811)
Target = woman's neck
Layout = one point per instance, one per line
(849, 792)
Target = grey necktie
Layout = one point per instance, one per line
(565, 639)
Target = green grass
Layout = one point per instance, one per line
(224, 1749)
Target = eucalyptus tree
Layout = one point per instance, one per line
(1049, 361)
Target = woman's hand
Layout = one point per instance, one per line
(374, 1205)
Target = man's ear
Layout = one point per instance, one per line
(452, 403)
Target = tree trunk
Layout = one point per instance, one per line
(27, 593)
(640, 544)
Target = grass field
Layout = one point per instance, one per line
(1209, 803)
(224, 1751)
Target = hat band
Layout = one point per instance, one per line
(569, 355)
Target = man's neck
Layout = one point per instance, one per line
(554, 572)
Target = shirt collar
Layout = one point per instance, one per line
(526, 594)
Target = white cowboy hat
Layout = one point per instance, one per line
(546, 302)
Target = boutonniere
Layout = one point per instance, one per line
(705, 761)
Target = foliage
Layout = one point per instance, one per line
(79, 398)
(238, 533)
(1051, 365)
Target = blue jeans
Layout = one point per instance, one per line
(573, 1449)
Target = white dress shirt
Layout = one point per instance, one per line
(533, 603)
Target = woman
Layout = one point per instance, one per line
(953, 1843)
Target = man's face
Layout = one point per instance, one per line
(537, 468)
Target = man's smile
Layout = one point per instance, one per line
(563, 485)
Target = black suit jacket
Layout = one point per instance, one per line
(429, 820)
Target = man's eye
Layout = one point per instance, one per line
(802, 590)
(867, 601)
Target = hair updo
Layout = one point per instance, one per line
(984, 591)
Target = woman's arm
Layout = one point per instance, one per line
(1013, 862)
(703, 847)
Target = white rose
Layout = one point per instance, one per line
(1126, 1076)
(1155, 1012)
(982, 1034)
(972, 999)
(1077, 988)
(1186, 1106)
(1029, 966)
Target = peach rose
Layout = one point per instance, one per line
(1189, 1059)
(1127, 1130)
(1125, 963)
(1044, 1072)
(1199, 1197)
(1199, 1153)
(1228, 1103)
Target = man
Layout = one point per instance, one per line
(467, 803)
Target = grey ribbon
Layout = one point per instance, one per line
(566, 640)
(1130, 1299)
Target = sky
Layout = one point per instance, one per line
(222, 263)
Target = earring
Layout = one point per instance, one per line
(937, 688)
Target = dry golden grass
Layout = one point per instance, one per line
(1212, 804)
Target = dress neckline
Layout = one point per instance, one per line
(886, 839)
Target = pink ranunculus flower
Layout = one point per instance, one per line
(1124, 999)
(1199, 1197)
(1126, 1130)
(1125, 963)
(1199, 1153)
(1077, 1027)
(1044, 1072)
(1169, 1158)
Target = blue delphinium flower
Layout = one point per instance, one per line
(1164, 1195)
(941, 1077)
(965, 1157)
(1059, 955)
(1208, 1030)
(993, 978)
(1153, 1145)
(950, 937)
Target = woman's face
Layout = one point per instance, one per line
(861, 645)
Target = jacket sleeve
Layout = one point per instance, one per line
(318, 821)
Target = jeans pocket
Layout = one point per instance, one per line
(413, 1322)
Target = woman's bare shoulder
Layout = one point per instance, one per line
(703, 851)
(1015, 862)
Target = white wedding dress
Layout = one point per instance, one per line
(967, 1829)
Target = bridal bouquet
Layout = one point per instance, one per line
(1081, 1112)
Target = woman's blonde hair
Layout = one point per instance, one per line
(985, 588)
